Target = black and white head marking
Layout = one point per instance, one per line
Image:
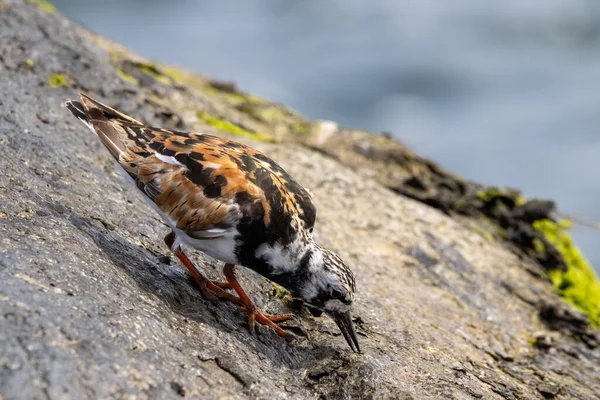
(330, 288)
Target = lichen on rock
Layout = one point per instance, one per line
(57, 80)
(577, 284)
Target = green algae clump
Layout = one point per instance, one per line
(154, 72)
(44, 5)
(126, 77)
(579, 284)
(230, 127)
(492, 193)
(174, 73)
(57, 80)
(284, 294)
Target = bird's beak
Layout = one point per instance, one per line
(344, 322)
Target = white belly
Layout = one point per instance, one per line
(222, 248)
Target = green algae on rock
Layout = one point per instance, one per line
(126, 77)
(282, 293)
(57, 80)
(44, 5)
(230, 127)
(578, 284)
(151, 70)
(492, 193)
(570, 272)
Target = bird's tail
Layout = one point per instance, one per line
(104, 121)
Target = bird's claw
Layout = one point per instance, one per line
(256, 315)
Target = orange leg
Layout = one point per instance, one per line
(208, 288)
(254, 314)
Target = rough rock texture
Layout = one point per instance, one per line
(92, 305)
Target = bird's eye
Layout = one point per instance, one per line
(336, 294)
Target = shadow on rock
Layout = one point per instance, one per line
(174, 286)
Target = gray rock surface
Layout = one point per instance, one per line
(93, 306)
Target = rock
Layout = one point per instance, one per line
(90, 306)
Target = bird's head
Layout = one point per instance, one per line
(330, 289)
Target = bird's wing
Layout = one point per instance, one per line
(203, 183)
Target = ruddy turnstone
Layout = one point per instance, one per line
(233, 203)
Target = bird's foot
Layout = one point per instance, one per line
(209, 289)
(254, 314)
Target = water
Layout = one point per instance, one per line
(502, 93)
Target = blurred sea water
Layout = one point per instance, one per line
(503, 93)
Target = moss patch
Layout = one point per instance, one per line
(57, 80)
(44, 5)
(301, 127)
(126, 77)
(282, 293)
(492, 193)
(578, 285)
(230, 127)
(485, 234)
(151, 70)
(175, 73)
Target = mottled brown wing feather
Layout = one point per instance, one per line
(204, 182)
(201, 182)
(190, 191)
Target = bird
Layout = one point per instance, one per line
(233, 203)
